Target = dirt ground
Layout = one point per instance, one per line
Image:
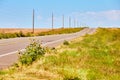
(24, 30)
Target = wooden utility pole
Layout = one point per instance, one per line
(33, 22)
(69, 22)
(74, 22)
(78, 25)
(52, 21)
(63, 21)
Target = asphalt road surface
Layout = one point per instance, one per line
(10, 47)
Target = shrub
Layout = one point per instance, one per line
(21, 34)
(66, 42)
(1, 36)
(33, 52)
(29, 34)
(11, 35)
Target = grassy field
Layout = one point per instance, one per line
(60, 31)
(13, 33)
(24, 30)
(92, 57)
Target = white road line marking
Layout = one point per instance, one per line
(14, 52)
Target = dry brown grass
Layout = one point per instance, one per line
(24, 30)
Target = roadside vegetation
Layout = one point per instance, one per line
(50, 32)
(60, 31)
(91, 57)
(14, 35)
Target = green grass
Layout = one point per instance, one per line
(33, 52)
(60, 31)
(12, 35)
(92, 57)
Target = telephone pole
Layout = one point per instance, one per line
(52, 21)
(33, 22)
(77, 23)
(63, 21)
(74, 22)
(69, 22)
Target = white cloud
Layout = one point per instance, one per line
(112, 15)
(92, 19)
(102, 18)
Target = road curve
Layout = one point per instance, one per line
(10, 47)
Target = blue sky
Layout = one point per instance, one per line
(93, 13)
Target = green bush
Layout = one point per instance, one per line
(21, 34)
(33, 52)
(1, 36)
(7, 35)
(29, 34)
(66, 42)
(11, 35)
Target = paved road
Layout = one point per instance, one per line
(10, 47)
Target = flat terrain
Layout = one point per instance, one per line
(9, 47)
(24, 30)
(91, 57)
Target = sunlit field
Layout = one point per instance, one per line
(26, 33)
(91, 57)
